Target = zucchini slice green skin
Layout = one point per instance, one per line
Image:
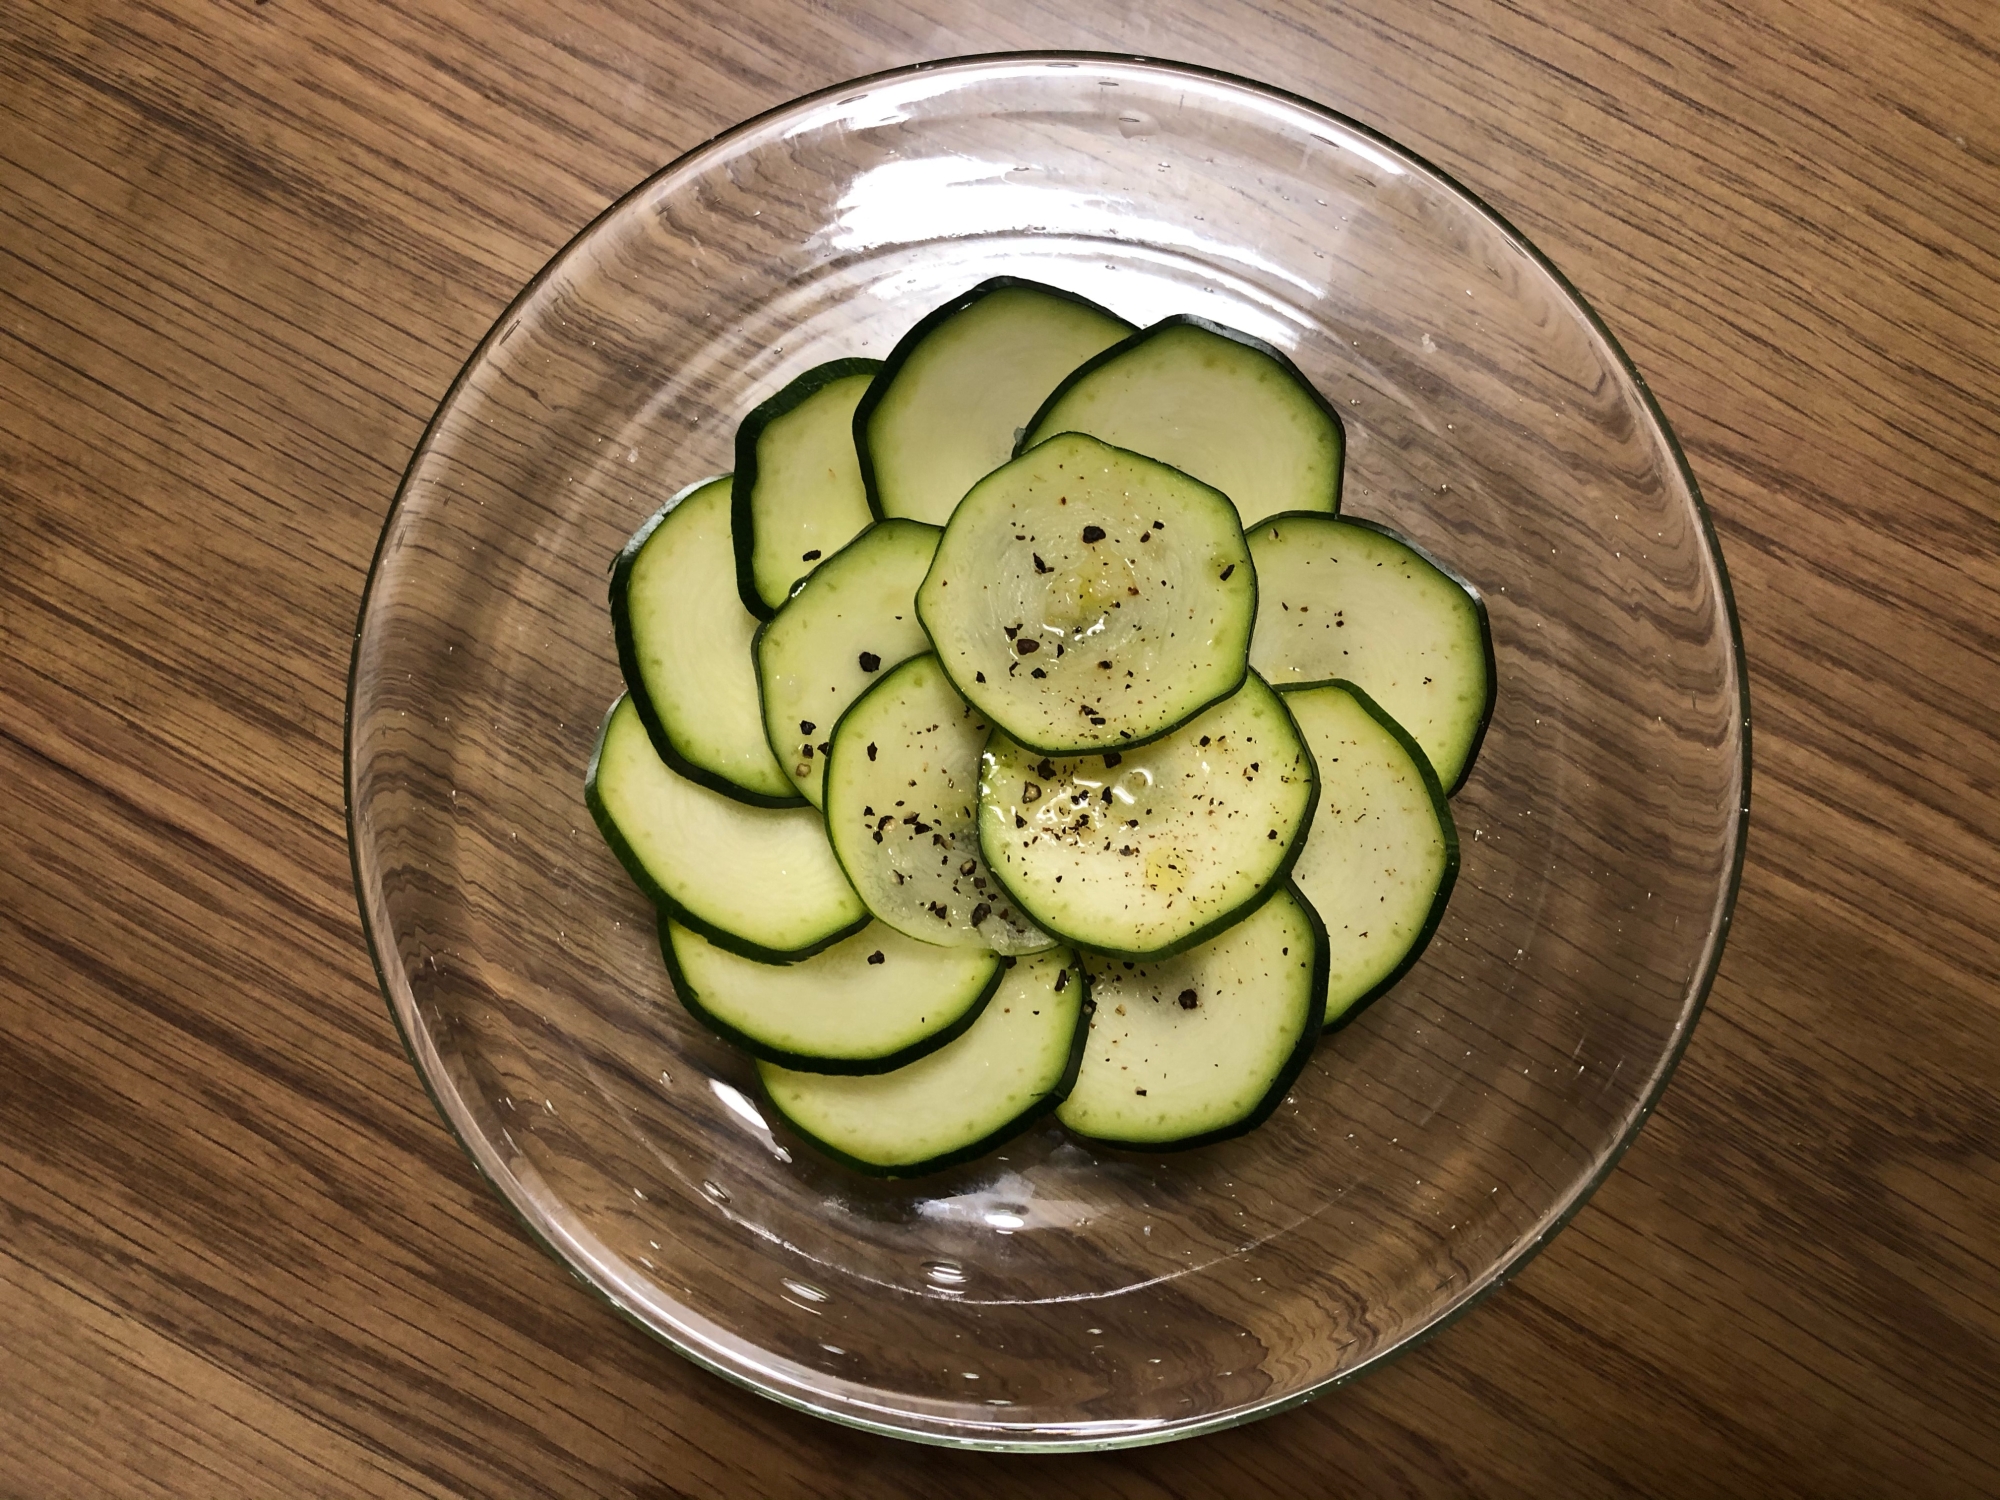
(813, 655)
(1057, 804)
(1072, 990)
(1138, 618)
(1312, 1015)
(1343, 1007)
(1060, 413)
(1452, 750)
(842, 918)
(902, 783)
(743, 511)
(1110, 330)
(765, 792)
(971, 1003)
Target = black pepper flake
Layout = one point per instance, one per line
(1204, 741)
(1097, 720)
(826, 747)
(1113, 758)
(870, 662)
(878, 957)
(980, 913)
(1106, 665)
(1093, 533)
(871, 749)
(812, 556)
(1272, 834)
(1227, 571)
(805, 726)
(1040, 566)
(1019, 821)
(1010, 631)
(1027, 645)
(1062, 981)
(978, 676)
(1046, 770)
(1140, 1092)
(1039, 672)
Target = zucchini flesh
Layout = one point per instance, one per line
(849, 622)
(761, 882)
(1086, 598)
(902, 793)
(683, 644)
(1145, 853)
(1352, 600)
(1227, 408)
(1012, 1066)
(955, 391)
(1382, 853)
(798, 496)
(1200, 1047)
(869, 1003)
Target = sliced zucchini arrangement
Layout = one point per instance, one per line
(1022, 732)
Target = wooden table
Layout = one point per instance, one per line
(243, 248)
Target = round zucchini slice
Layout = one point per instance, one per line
(758, 881)
(1015, 1064)
(1352, 600)
(848, 622)
(1201, 1047)
(684, 647)
(955, 391)
(1229, 409)
(1146, 853)
(798, 495)
(902, 796)
(1382, 853)
(1087, 598)
(870, 1003)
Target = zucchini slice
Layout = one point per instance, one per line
(902, 796)
(1228, 408)
(798, 495)
(684, 646)
(1382, 853)
(870, 1003)
(1015, 1064)
(761, 882)
(953, 394)
(1352, 600)
(851, 619)
(1201, 1047)
(1087, 598)
(1146, 853)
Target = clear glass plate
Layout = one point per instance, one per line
(1052, 1296)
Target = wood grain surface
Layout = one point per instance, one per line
(243, 249)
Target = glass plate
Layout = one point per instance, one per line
(1052, 1296)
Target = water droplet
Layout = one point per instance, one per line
(945, 1272)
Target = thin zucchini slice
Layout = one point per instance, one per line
(1227, 408)
(870, 1003)
(952, 395)
(798, 495)
(902, 796)
(1086, 598)
(1201, 1047)
(1382, 852)
(758, 881)
(1146, 853)
(849, 622)
(684, 646)
(1013, 1066)
(1352, 600)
